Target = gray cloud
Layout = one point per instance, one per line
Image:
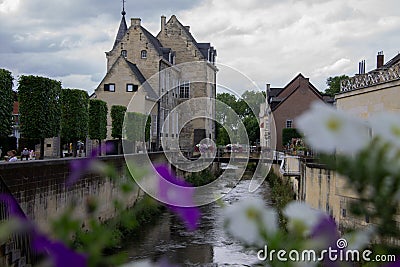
(270, 41)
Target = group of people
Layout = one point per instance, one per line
(12, 155)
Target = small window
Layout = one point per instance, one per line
(131, 87)
(289, 123)
(110, 87)
(184, 90)
(143, 54)
(344, 213)
(124, 53)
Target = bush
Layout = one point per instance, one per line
(288, 134)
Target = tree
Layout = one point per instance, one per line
(39, 108)
(136, 128)
(334, 84)
(252, 129)
(74, 116)
(117, 118)
(251, 101)
(6, 102)
(98, 120)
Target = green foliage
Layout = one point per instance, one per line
(288, 134)
(375, 177)
(222, 136)
(334, 84)
(252, 128)
(135, 126)
(117, 117)
(281, 194)
(6, 102)
(74, 114)
(250, 103)
(247, 109)
(39, 106)
(147, 130)
(201, 178)
(97, 119)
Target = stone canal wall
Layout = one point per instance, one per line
(39, 187)
(326, 190)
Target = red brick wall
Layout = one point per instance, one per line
(296, 104)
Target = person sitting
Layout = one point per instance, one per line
(12, 154)
(25, 154)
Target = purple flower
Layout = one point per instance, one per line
(61, 255)
(79, 167)
(326, 231)
(177, 194)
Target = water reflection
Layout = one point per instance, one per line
(207, 246)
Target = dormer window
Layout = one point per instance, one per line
(143, 54)
(124, 53)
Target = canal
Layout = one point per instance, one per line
(209, 245)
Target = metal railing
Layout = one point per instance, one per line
(371, 78)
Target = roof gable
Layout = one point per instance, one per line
(137, 73)
(283, 94)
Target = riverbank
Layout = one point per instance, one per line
(281, 194)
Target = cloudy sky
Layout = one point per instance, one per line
(271, 41)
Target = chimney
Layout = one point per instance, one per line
(380, 59)
(187, 28)
(163, 23)
(135, 22)
(268, 89)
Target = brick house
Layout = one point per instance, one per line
(287, 103)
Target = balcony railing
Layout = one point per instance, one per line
(371, 78)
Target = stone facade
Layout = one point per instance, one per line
(166, 64)
(362, 96)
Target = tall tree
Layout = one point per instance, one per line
(74, 116)
(136, 128)
(39, 108)
(98, 120)
(6, 102)
(334, 84)
(117, 118)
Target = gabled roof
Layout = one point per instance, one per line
(153, 40)
(123, 28)
(162, 51)
(393, 61)
(202, 47)
(139, 75)
(277, 99)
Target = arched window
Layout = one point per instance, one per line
(124, 53)
(143, 54)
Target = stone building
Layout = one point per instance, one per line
(372, 92)
(364, 95)
(146, 70)
(286, 104)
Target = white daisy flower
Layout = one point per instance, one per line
(387, 126)
(247, 219)
(360, 239)
(327, 130)
(301, 217)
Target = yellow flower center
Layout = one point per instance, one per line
(252, 214)
(395, 130)
(334, 124)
